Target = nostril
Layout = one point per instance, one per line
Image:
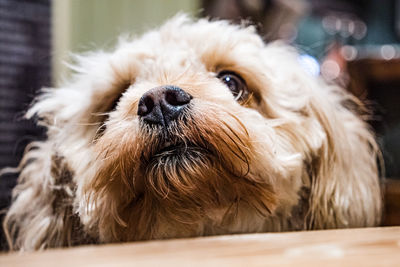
(171, 98)
(146, 105)
(177, 97)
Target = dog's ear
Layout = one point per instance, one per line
(39, 209)
(41, 214)
(338, 147)
(343, 170)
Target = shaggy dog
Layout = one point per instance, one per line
(197, 128)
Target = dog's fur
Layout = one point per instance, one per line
(294, 156)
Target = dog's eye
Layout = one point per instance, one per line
(236, 84)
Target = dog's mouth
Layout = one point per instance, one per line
(172, 149)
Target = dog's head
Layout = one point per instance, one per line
(200, 128)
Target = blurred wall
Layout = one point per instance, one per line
(83, 25)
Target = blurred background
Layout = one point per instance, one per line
(354, 43)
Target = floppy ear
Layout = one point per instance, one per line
(339, 150)
(41, 212)
(344, 174)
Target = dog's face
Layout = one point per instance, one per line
(200, 128)
(187, 145)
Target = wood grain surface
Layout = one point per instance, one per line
(350, 247)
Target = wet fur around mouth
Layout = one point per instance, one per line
(171, 141)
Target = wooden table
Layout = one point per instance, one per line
(351, 247)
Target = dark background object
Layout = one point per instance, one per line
(379, 79)
(24, 68)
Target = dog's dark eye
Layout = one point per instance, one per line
(235, 83)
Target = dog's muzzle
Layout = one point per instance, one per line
(163, 104)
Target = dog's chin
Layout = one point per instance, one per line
(174, 176)
(171, 149)
(178, 161)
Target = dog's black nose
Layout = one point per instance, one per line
(163, 104)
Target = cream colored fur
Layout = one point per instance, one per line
(298, 157)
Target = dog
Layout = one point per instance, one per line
(196, 128)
